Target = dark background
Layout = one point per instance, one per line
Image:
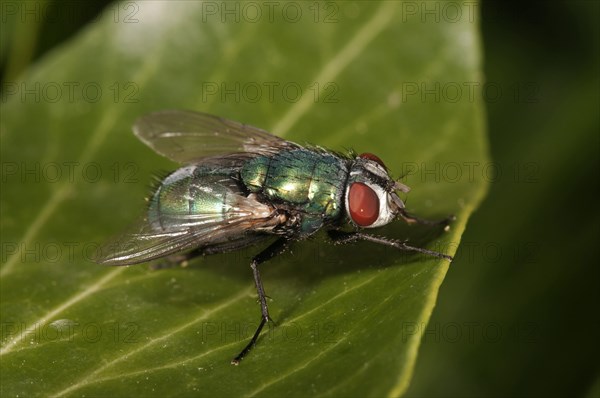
(517, 313)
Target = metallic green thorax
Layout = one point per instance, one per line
(310, 181)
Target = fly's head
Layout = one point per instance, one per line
(371, 199)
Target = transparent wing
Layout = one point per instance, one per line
(147, 240)
(186, 137)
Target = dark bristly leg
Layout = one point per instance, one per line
(409, 218)
(340, 237)
(278, 247)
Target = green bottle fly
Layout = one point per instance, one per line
(240, 185)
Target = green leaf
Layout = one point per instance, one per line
(352, 74)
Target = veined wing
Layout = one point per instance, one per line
(186, 137)
(151, 239)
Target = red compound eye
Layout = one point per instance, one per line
(372, 157)
(363, 204)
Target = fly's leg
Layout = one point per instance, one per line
(410, 219)
(340, 237)
(276, 248)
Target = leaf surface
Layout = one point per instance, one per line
(340, 75)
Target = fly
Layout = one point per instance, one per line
(240, 185)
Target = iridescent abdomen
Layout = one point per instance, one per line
(190, 193)
(310, 180)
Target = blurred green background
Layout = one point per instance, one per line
(515, 315)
